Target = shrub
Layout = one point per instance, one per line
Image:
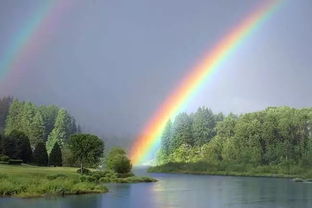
(15, 162)
(125, 175)
(55, 176)
(4, 158)
(118, 161)
(84, 171)
(105, 180)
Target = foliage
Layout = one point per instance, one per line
(86, 148)
(55, 157)
(61, 131)
(40, 155)
(279, 136)
(5, 103)
(22, 146)
(31, 181)
(39, 122)
(118, 161)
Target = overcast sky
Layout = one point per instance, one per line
(112, 62)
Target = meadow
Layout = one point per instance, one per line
(34, 181)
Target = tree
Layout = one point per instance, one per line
(118, 161)
(9, 147)
(22, 146)
(49, 114)
(55, 157)
(166, 138)
(86, 148)
(61, 131)
(182, 131)
(5, 103)
(204, 122)
(40, 156)
(13, 120)
(36, 130)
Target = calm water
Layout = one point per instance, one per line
(175, 190)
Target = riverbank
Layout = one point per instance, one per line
(27, 181)
(32, 181)
(204, 168)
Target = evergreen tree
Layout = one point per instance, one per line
(40, 156)
(203, 126)
(36, 129)
(166, 138)
(9, 147)
(182, 131)
(55, 157)
(49, 114)
(13, 120)
(5, 103)
(22, 145)
(61, 130)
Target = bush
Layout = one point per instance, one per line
(118, 161)
(15, 162)
(125, 175)
(88, 179)
(4, 158)
(85, 171)
(55, 176)
(105, 180)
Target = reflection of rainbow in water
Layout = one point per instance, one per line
(149, 139)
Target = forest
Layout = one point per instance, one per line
(276, 140)
(41, 148)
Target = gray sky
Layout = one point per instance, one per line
(112, 62)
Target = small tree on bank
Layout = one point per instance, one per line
(118, 161)
(55, 157)
(40, 156)
(86, 148)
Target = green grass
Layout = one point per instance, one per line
(33, 181)
(293, 171)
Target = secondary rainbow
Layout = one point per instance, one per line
(32, 35)
(150, 136)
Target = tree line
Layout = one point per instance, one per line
(274, 136)
(37, 134)
(49, 136)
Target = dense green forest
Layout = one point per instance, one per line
(276, 136)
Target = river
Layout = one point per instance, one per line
(189, 191)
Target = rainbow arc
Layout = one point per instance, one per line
(150, 136)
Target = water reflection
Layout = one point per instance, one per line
(186, 191)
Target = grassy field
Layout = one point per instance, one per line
(33, 181)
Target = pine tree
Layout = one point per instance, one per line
(49, 114)
(13, 120)
(61, 131)
(166, 138)
(9, 147)
(5, 103)
(182, 131)
(36, 129)
(55, 157)
(40, 156)
(22, 145)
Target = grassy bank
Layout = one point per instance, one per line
(287, 171)
(33, 181)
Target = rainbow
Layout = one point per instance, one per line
(149, 139)
(33, 34)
